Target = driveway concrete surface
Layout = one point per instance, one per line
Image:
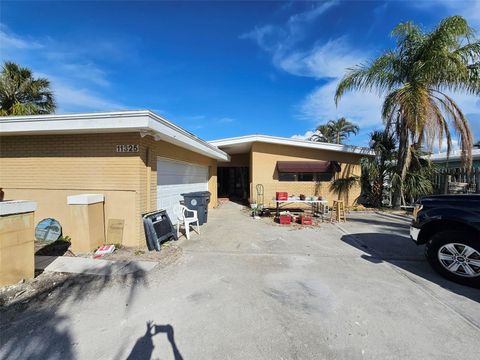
(251, 289)
(81, 265)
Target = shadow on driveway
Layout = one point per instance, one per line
(403, 253)
(143, 348)
(381, 220)
(32, 328)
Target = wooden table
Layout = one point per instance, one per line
(323, 203)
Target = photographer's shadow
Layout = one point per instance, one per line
(143, 348)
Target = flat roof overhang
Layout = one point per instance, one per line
(143, 121)
(243, 144)
(454, 156)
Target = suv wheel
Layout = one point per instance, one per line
(455, 255)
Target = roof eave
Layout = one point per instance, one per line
(293, 142)
(143, 121)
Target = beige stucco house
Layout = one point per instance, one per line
(134, 162)
(286, 165)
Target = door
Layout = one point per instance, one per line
(233, 182)
(175, 178)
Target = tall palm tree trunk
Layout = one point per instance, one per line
(403, 161)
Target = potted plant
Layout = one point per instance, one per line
(256, 208)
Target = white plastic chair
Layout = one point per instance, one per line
(184, 215)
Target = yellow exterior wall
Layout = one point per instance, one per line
(213, 186)
(16, 248)
(264, 159)
(48, 168)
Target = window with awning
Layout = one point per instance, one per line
(307, 170)
(308, 166)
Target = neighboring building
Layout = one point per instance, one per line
(454, 161)
(451, 173)
(285, 164)
(138, 160)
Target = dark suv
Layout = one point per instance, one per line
(449, 226)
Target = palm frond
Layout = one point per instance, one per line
(380, 75)
(22, 94)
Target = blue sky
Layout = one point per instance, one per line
(218, 69)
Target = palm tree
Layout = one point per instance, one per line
(323, 133)
(418, 180)
(22, 94)
(335, 131)
(376, 171)
(414, 77)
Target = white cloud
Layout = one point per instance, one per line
(78, 99)
(359, 107)
(225, 120)
(307, 135)
(296, 23)
(469, 9)
(470, 104)
(364, 108)
(71, 99)
(87, 71)
(197, 117)
(455, 146)
(266, 37)
(280, 39)
(9, 40)
(328, 60)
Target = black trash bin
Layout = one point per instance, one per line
(198, 201)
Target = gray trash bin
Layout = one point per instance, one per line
(198, 201)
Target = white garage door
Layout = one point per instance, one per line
(175, 178)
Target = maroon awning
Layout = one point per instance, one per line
(308, 166)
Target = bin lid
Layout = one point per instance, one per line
(197, 194)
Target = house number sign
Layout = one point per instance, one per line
(128, 148)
